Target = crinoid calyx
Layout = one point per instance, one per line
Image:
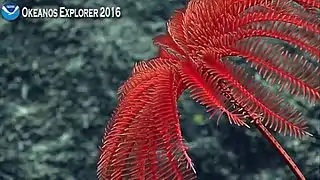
(143, 139)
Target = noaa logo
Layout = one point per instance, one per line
(10, 11)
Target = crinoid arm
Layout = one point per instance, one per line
(143, 139)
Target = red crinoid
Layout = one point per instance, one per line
(143, 140)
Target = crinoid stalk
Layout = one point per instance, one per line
(143, 139)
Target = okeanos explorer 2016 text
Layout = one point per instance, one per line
(63, 12)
